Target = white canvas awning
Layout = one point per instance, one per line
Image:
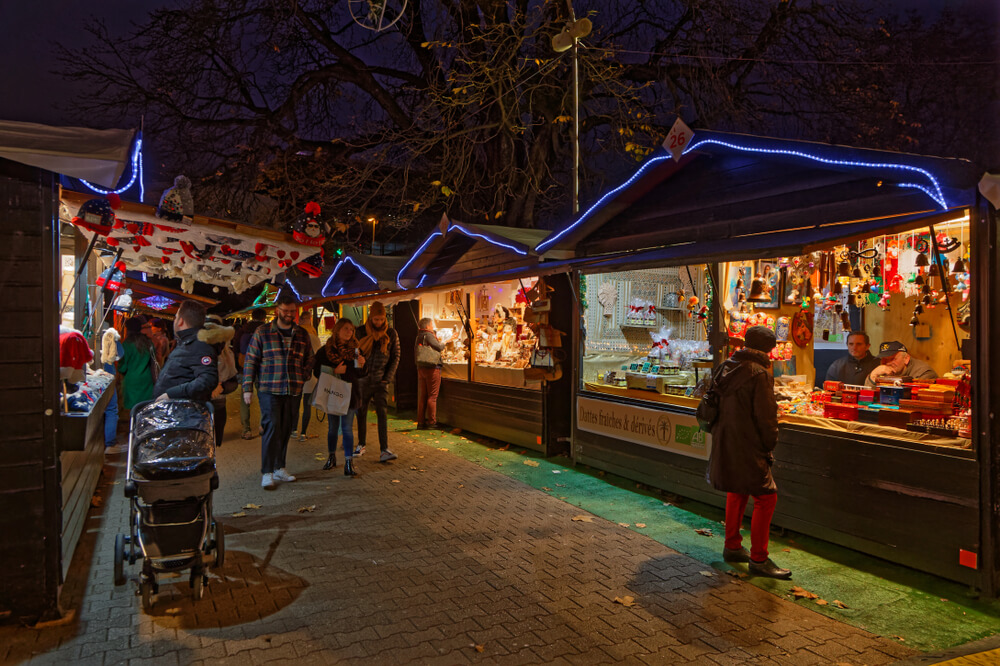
(99, 156)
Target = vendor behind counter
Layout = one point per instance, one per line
(895, 360)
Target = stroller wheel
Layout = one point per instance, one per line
(197, 585)
(120, 559)
(220, 544)
(146, 592)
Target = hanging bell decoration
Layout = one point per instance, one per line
(958, 266)
(914, 321)
(856, 272)
(919, 309)
(845, 321)
(866, 288)
(922, 259)
(876, 271)
(925, 289)
(919, 281)
(926, 300)
(843, 269)
(758, 291)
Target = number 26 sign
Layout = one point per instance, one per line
(678, 139)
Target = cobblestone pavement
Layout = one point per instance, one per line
(428, 559)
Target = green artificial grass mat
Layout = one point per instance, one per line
(922, 611)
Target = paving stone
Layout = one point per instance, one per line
(421, 571)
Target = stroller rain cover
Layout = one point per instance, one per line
(173, 439)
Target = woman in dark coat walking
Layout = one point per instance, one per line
(341, 356)
(743, 439)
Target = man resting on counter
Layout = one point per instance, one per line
(896, 361)
(857, 365)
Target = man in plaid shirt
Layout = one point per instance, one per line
(278, 361)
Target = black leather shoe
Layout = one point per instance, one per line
(736, 555)
(769, 569)
(331, 462)
(349, 468)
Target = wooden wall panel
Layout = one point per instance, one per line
(504, 413)
(910, 506)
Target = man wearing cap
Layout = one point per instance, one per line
(895, 360)
(743, 438)
(855, 367)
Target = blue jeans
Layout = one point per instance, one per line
(111, 411)
(342, 423)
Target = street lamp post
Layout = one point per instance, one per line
(570, 38)
(374, 222)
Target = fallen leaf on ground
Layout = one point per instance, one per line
(802, 593)
(521, 453)
(456, 431)
(461, 485)
(115, 483)
(557, 471)
(96, 501)
(239, 514)
(504, 448)
(320, 456)
(531, 463)
(737, 574)
(583, 519)
(839, 604)
(821, 602)
(252, 506)
(786, 550)
(480, 648)
(546, 489)
(707, 574)
(442, 449)
(412, 467)
(307, 509)
(640, 525)
(625, 601)
(623, 524)
(899, 638)
(704, 531)
(561, 485)
(172, 611)
(395, 480)
(420, 456)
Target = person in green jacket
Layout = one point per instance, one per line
(135, 366)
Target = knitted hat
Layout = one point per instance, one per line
(112, 276)
(761, 338)
(376, 309)
(98, 215)
(177, 202)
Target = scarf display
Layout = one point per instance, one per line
(373, 335)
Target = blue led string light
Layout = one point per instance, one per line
(472, 234)
(936, 194)
(337, 268)
(136, 174)
(552, 239)
(415, 255)
(295, 291)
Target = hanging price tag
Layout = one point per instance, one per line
(678, 139)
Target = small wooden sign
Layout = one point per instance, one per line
(678, 139)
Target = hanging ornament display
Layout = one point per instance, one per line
(308, 229)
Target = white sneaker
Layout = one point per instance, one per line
(282, 475)
(386, 456)
(294, 435)
(267, 481)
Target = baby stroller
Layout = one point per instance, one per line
(169, 482)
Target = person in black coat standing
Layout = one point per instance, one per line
(341, 356)
(191, 370)
(743, 439)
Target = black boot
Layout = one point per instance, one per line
(768, 569)
(331, 462)
(349, 467)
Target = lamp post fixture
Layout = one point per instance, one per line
(570, 38)
(374, 222)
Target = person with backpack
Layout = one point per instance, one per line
(744, 426)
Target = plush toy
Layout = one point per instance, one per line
(308, 229)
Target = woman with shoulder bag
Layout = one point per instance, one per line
(219, 336)
(427, 352)
(341, 356)
(136, 365)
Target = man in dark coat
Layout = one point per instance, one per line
(191, 370)
(743, 439)
(380, 345)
